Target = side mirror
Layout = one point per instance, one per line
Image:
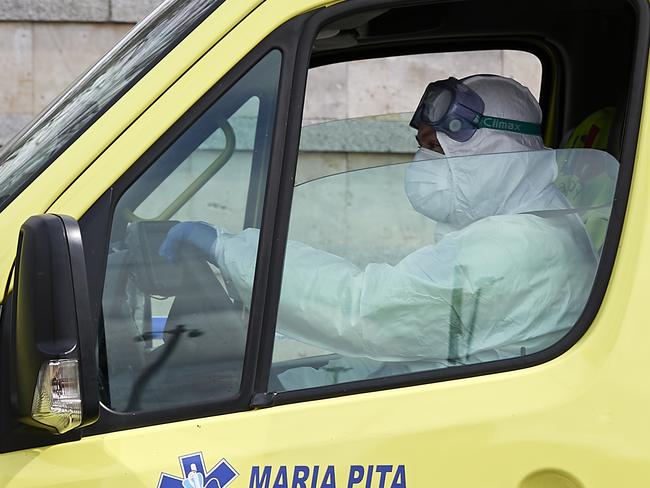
(54, 344)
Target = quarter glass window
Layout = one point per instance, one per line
(174, 329)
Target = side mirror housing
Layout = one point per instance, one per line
(54, 344)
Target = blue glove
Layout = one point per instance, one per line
(199, 234)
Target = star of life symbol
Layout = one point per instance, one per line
(196, 476)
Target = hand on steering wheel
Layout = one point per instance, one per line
(201, 235)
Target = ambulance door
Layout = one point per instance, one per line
(420, 339)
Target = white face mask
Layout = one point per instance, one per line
(427, 183)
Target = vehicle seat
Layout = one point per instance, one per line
(591, 186)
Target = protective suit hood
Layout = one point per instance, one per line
(495, 172)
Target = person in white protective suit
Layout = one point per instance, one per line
(504, 278)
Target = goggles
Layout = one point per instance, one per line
(452, 107)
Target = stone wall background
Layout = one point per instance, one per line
(46, 44)
(129, 11)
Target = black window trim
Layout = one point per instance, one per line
(282, 40)
(320, 18)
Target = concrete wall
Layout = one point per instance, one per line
(129, 11)
(46, 44)
(39, 60)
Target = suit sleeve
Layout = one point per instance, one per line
(383, 312)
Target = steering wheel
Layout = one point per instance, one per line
(205, 332)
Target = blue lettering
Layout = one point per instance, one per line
(383, 470)
(329, 480)
(369, 478)
(281, 478)
(256, 482)
(300, 477)
(314, 478)
(308, 476)
(356, 475)
(400, 477)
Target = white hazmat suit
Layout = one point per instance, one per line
(499, 282)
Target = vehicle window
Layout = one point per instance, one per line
(174, 328)
(382, 279)
(57, 126)
(458, 248)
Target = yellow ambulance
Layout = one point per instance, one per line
(332, 333)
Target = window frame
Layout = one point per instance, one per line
(96, 226)
(553, 80)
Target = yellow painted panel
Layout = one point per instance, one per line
(490, 432)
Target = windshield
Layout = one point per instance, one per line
(61, 123)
